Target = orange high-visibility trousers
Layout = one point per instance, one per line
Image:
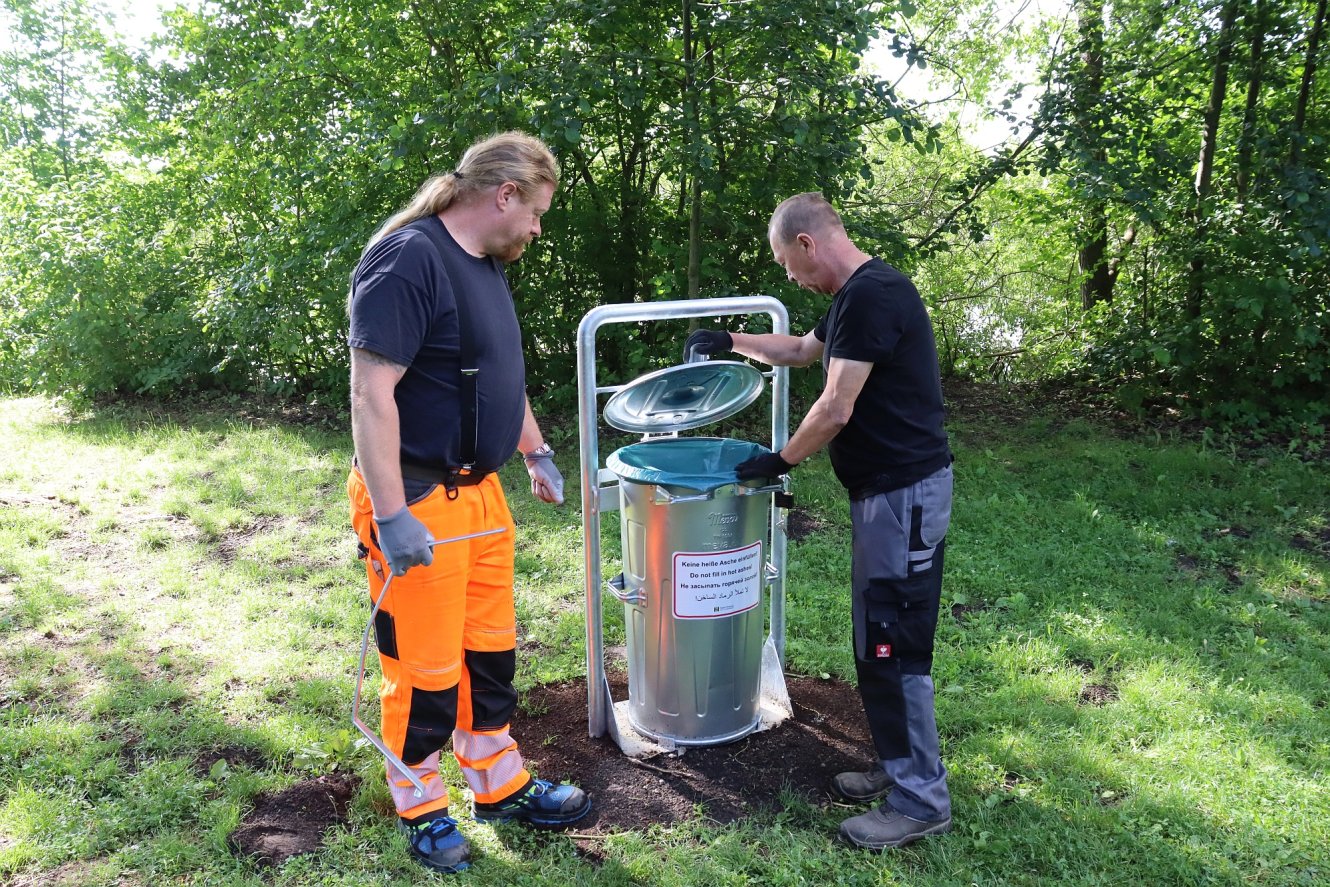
(447, 638)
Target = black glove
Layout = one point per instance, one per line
(765, 465)
(707, 342)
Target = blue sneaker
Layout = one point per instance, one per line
(436, 843)
(542, 804)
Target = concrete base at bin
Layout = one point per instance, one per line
(773, 708)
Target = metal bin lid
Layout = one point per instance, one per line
(682, 397)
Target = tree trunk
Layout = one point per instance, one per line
(62, 96)
(1205, 166)
(1247, 138)
(693, 154)
(1308, 75)
(1096, 285)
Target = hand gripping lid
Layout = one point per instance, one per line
(686, 396)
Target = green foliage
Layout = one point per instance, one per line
(100, 300)
(1220, 301)
(55, 58)
(275, 138)
(188, 218)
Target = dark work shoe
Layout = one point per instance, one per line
(436, 843)
(541, 804)
(882, 828)
(867, 786)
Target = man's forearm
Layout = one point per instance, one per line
(378, 441)
(770, 348)
(816, 430)
(531, 437)
(831, 411)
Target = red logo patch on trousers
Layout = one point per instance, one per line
(884, 651)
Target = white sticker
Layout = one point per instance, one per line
(714, 584)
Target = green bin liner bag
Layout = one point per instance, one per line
(696, 463)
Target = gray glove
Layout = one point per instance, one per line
(546, 481)
(405, 541)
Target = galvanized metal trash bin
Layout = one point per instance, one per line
(693, 554)
(700, 671)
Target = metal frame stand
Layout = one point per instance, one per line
(600, 494)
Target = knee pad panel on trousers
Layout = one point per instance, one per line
(493, 699)
(430, 724)
(883, 694)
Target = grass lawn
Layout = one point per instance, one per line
(1133, 662)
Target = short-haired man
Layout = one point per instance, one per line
(880, 416)
(438, 404)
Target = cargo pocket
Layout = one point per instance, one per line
(417, 491)
(385, 634)
(909, 591)
(925, 538)
(901, 622)
(880, 641)
(930, 517)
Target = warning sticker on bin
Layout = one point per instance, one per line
(714, 584)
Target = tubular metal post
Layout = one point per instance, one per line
(360, 672)
(600, 715)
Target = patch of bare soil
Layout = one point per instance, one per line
(1317, 542)
(960, 611)
(69, 874)
(291, 822)
(232, 756)
(827, 735)
(1002, 404)
(1098, 694)
(800, 524)
(233, 543)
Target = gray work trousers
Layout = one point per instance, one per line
(899, 540)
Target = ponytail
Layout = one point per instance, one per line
(507, 157)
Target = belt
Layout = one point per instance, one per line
(449, 477)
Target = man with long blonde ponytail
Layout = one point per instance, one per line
(438, 404)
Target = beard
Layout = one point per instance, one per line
(512, 250)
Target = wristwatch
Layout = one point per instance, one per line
(544, 451)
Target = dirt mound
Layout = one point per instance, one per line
(291, 822)
(828, 734)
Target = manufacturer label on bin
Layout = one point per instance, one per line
(712, 584)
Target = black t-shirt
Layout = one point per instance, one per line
(404, 307)
(895, 435)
